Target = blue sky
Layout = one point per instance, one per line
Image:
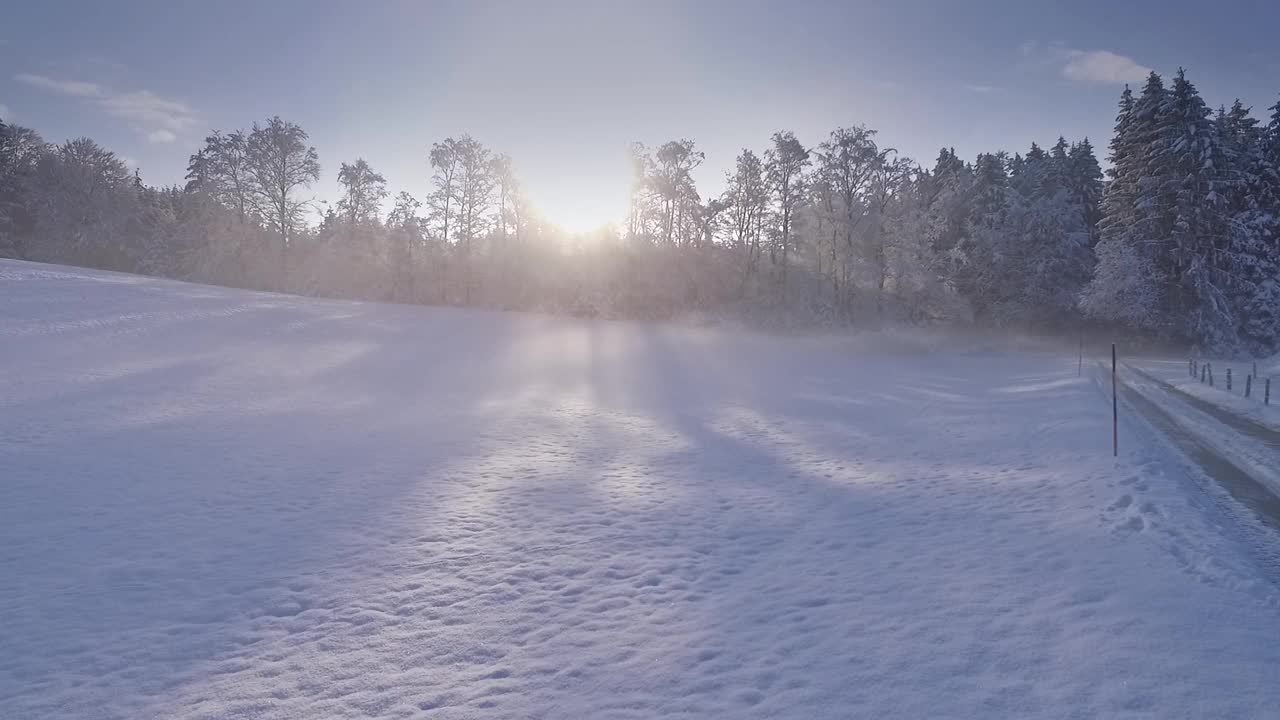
(564, 86)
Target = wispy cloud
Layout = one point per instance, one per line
(160, 119)
(62, 87)
(1082, 66)
(151, 110)
(5, 113)
(982, 88)
(1103, 66)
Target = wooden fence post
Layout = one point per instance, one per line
(1228, 379)
(1266, 395)
(1248, 385)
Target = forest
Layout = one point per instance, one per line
(1178, 241)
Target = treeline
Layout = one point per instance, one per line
(841, 232)
(1179, 242)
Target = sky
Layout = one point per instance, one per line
(564, 87)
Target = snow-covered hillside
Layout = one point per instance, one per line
(221, 504)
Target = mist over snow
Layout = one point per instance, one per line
(230, 504)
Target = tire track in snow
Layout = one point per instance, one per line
(1245, 426)
(1247, 501)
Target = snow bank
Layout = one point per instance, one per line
(1270, 366)
(1176, 373)
(220, 504)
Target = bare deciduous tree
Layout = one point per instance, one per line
(784, 165)
(280, 163)
(363, 192)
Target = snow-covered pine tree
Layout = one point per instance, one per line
(1125, 286)
(1255, 228)
(917, 284)
(1026, 174)
(1241, 129)
(1143, 227)
(1118, 196)
(944, 198)
(1059, 167)
(1085, 185)
(1127, 271)
(980, 278)
(1186, 194)
(1039, 248)
(1017, 165)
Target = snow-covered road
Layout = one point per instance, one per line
(1255, 409)
(221, 504)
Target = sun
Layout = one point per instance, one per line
(580, 198)
(580, 209)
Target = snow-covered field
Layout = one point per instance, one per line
(221, 504)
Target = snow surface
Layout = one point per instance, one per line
(1175, 372)
(1249, 450)
(222, 504)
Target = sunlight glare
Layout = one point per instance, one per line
(580, 205)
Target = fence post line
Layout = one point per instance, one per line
(1228, 379)
(1266, 395)
(1248, 385)
(1115, 408)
